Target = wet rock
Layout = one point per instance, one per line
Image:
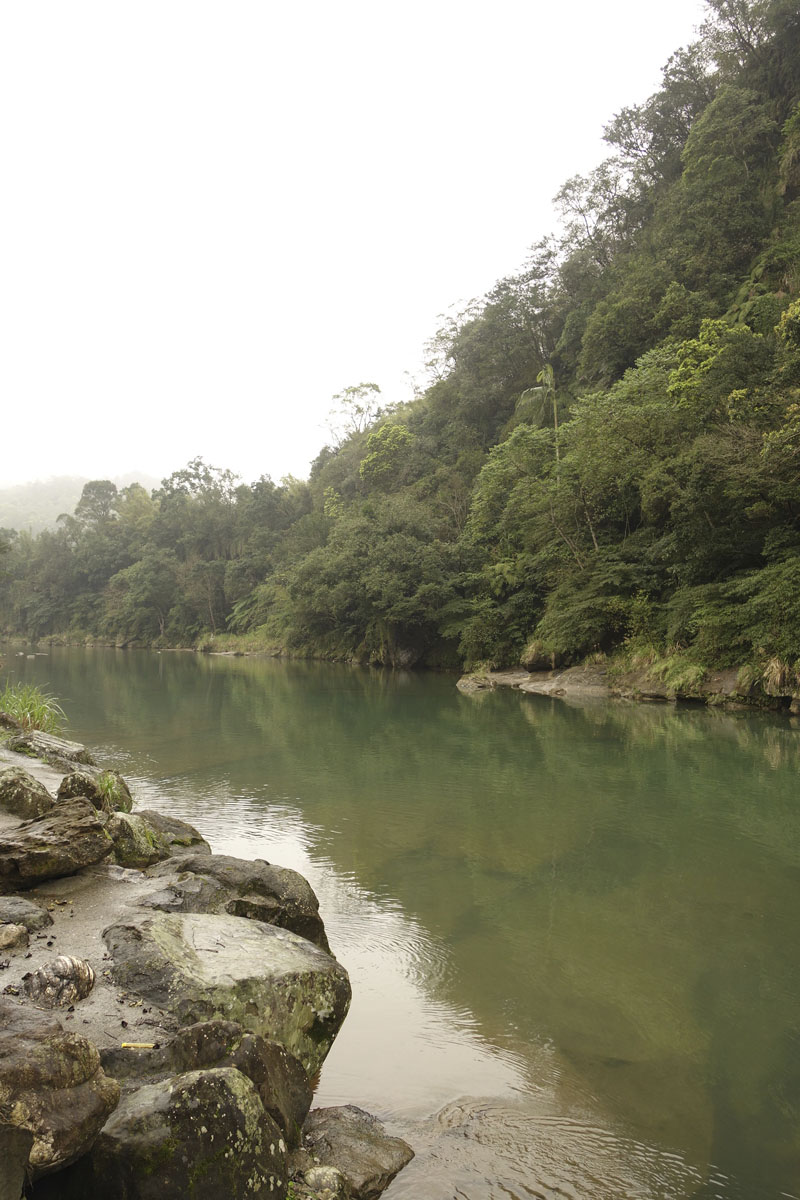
(15, 1147)
(241, 888)
(280, 1080)
(201, 1136)
(179, 835)
(323, 1183)
(107, 790)
(62, 982)
(12, 936)
(71, 836)
(22, 795)
(55, 750)
(269, 980)
(469, 684)
(356, 1144)
(51, 1084)
(9, 722)
(15, 910)
(136, 842)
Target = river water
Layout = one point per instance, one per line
(572, 932)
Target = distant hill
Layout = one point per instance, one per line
(38, 505)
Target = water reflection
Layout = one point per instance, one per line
(586, 914)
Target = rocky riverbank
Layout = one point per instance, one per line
(163, 1010)
(589, 682)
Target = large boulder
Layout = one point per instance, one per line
(356, 1145)
(136, 842)
(281, 1082)
(51, 1084)
(201, 1136)
(55, 750)
(201, 966)
(22, 795)
(66, 839)
(107, 790)
(242, 888)
(180, 836)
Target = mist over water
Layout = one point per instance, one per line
(571, 931)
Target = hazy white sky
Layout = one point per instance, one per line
(214, 216)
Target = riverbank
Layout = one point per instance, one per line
(184, 1000)
(729, 688)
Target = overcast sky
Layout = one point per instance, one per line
(217, 215)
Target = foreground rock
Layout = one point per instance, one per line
(199, 1136)
(66, 839)
(280, 1080)
(22, 795)
(15, 1147)
(258, 890)
(353, 1143)
(179, 835)
(136, 842)
(107, 790)
(52, 1085)
(267, 979)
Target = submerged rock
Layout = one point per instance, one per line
(267, 979)
(22, 795)
(51, 1084)
(199, 1136)
(356, 1145)
(66, 839)
(255, 889)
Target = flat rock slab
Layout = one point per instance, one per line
(222, 884)
(71, 836)
(52, 749)
(201, 966)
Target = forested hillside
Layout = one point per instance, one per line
(606, 455)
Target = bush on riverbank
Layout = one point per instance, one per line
(32, 708)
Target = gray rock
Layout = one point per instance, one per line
(15, 1146)
(199, 1136)
(280, 1080)
(12, 936)
(269, 980)
(51, 1084)
(326, 1183)
(136, 842)
(71, 836)
(179, 835)
(55, 750)
(355, 1143)
(107, 790)
(242, 888)
(23, 795)
(17, 911)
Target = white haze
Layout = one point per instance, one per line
(216, 216)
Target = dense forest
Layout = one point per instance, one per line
(605, 457)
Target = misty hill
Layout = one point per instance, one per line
(36, 506)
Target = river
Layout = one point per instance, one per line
(571, 931)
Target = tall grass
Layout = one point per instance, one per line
(32, 708)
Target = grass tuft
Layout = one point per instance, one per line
(32, 708)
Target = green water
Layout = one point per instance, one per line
(572, 931)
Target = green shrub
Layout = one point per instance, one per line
(32, 708)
